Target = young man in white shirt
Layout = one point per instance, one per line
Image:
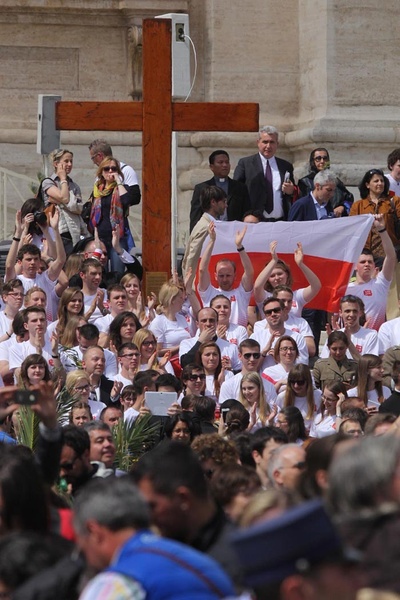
(128, 359)
(275, 328)
(250, 358)
(13, 298)
(118, 301)
(372, 290)
(28, 259)
(361, 339)
(36, 324)
(225, 271)
(93, 295)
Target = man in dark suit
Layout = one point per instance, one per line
(236, 192)
(317, 204)
(269, 180)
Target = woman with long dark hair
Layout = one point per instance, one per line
(301, 393)
(319, 161)
(369, 382)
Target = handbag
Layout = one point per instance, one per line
(50, 209)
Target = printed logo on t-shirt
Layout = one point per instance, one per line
(367, 292)
(294, 304)
(232, 298)
(359, 348)
(233, 341)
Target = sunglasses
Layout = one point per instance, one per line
(249, 355)
(197, 377)
(110, 169)
(318, 158)
(272, 310)
(298, 382)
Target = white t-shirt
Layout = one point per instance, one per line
(210, 385)
(167, 367)
(87, 300)
(130, 177)
(372, 396)
(275, 373)
(262, 336)
(300, 402)
(5, 347)
(322, 427)
(42, 280)
(170, 333)
(374, 295)
(389, 335)
(122, 379)
(5, 323)
(18, 353)
(131, 414)
(239, 298)
(96, 407)
(71, 359)
(235, 334)
(226, 348)
(394, 185)
(365, 341)
(231, 389)
(103, 323)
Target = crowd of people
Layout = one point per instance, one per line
(202, 442)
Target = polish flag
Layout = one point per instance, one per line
(331, 247)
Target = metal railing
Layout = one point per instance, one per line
(14, 190)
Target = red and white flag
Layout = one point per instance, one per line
(330, 246)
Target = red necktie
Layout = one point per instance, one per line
(269, 197)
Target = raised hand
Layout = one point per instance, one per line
(240, 236)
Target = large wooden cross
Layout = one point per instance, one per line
(157, 117)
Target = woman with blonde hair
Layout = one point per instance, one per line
(66, 196)
(170, 327)
(68, 338)
(369, 382)
(147, 345)
(252, 396)
(300, 392)
(78, 386)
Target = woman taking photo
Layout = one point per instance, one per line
(369, 382)
(252, 396)
(286, 353)
(65, 194)
(319, 161)
(147, 345)
(111, 200)
(329, 416)
(301, 393)
(337, 366)
(375, 200)
(290, 421)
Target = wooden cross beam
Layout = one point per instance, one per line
(157, 117)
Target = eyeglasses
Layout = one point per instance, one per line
(287, 349)
(149, 343)
(83, 388)
(299, 465)
(136, 354)
(197, 377)
(298, 382)
(318, 158)
(93, 156)
(16, 294)
(272, 310)
(249, 355)
(110, 169)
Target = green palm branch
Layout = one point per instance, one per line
(132, 439)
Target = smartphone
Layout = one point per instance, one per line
(26, 397)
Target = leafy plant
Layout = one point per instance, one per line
(132, 439)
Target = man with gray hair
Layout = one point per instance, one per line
(269, 179)
(286, 465)
(317, 204)
(111, 522)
